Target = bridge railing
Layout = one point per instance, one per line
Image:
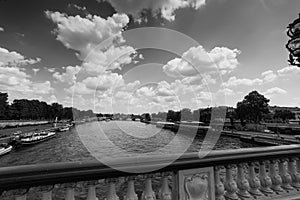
(252, 173)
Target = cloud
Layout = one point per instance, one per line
(13, 76)
(13, 58)
(197, 60)
(104, 82)
(15, 80)
(18, 84)
(69, 76)
(35, 70)
(52, 99)
(85, 35)
(204, 96)
(274, 91)
(226, 91)
(234, 82)
(289, 70)
(269, 76)
(51, 70)
(164, 7)
(1, 29)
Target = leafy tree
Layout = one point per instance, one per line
(284, 115)
(147, 117)
(173, 116)
(253, 107)
(3, 106)
(186, 114)
(205, 115)
(231, 115)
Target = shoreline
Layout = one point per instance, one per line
(14, 124)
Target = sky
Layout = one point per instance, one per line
(136, 56)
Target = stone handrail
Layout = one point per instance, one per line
(252, 173)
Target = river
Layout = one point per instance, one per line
(97, 140)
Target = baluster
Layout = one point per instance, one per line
(254, 182)
(21, 197)
(275, 177)
(285, 176)
(148, 193)
(165, 191)
(20, 194)
(130, 195)
(92, 190)
(46, 192)
(70, 194)
(298, 165)
(230, 185)
(293, 172)
(112, 194)
(219, 186)
(242, 183)
(265, 179)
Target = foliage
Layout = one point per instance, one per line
(146, 117)
(284, 115)
(3, 105)
(186, 114)
(173, 116)
(38, 110)
(253, 107)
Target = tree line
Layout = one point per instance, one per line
(24, 109)
(254, 108)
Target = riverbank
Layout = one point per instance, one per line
(13, 123)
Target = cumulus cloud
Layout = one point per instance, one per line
(288, 71)
(100, 46)
(104, 82)
(226, 91)
(13, 76)
(269, 76)
(165, 8)
(197, 60)
(98, 41)
(13, 58)
(275, 91)
(1, 29)
(69, 76)
(204, 96)
(35, 70)
(15, 80)
(234, 81)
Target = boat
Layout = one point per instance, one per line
(4, 149)
(63, 128)
(36, 137)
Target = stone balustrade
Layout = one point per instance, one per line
(254, 173)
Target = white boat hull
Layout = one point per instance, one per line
(37, 139)
(5, 150)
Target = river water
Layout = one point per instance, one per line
(100, 140)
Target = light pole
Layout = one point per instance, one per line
(293, 44)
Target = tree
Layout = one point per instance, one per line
(231, 115)
(205, 115)
(253, 107)
(173, 116)
(284, 115)
(147, 117)
(3, 106)
(186, 114)
(242, 112)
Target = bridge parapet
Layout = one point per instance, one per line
(252, 173)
